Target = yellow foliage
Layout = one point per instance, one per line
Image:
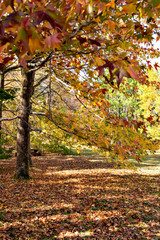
(150, 103)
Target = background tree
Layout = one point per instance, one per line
(149, 99)
(6, 95)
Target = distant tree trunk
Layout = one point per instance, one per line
(127, 112)
(1, 103)
(23, 131)
(119, 107)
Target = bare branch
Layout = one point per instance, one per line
(39, 114)
(8, 119)
(41, 80)
(40, 93)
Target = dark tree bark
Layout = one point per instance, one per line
(23, 131)
(1, 103)
(1, 108)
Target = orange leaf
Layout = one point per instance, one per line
(132, 73)
(110, 4)
(129, 8)
(34, 44)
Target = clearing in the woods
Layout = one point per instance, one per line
(80, 197)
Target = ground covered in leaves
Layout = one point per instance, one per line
(78, 197)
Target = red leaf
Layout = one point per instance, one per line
(41, 16)
(53, 41)
(92, 41)
(150, 118)
(149, 64)
(23, 61)
(7, 59)
(101, 70)
(104, 90)
(156, 66)
(108, 64)
(81, 39)
(12, 16)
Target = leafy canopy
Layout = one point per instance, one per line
(83, 38)
(113, 28)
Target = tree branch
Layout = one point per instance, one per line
(57, 125)
(39, 64)
(11, 68)
(41, 80)
(87, 108)
(8, 119)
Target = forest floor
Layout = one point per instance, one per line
(80, 197)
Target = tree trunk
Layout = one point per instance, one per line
(1, 103)
(1, 109)
(23, 131)
(119, 107)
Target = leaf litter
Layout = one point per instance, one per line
(76, 198)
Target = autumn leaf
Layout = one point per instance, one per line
(129, 8)
(53, 41)
(99, 61)
(23, 60)
(22, 35)
(96, 42)
(131, 72)
(111, 4)
(104, 201)
(104, 90)
(100, 69)
(156, 65)
(7, 8)
(34, 44)
(81, 39)
(83, 2)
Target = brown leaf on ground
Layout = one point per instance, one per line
(78, 197)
